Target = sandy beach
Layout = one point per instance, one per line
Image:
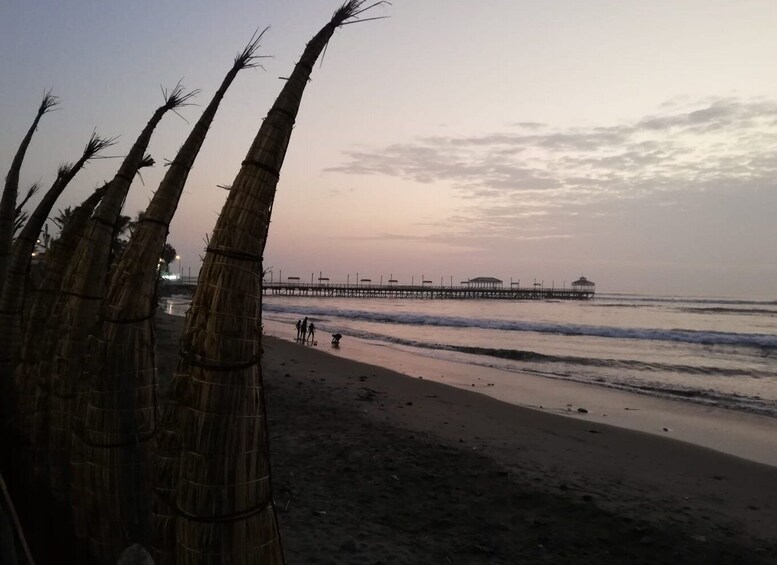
(372, 466)
(747, 435)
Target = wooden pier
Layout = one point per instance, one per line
(474, 289)
(425, 291)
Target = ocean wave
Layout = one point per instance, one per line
(628, 364)
(628, 375)
(689, 305)
(747, 311)
(764, 341)
(574, 369)
(681, 299)
(732, 401)
(725, 310)
(534, 357)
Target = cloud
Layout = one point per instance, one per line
(508, 177)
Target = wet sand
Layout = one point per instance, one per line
(371, 466)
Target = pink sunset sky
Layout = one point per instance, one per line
(633, 142)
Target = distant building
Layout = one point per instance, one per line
(583, 284)
(484, 282)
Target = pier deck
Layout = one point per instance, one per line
(422, 292)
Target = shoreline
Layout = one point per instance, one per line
(742, 434)
(373, 466)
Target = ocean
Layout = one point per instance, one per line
(710, 351)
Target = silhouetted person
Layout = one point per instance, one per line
(298, 325)
(304, 328)
(312, 332)
(336, 340)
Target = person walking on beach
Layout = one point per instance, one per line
(312, 333)
(298, 325)
(304, 329)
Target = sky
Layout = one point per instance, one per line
(632, 142)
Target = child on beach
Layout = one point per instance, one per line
(312, 332)
(298, 325)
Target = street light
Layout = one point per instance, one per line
(180, 268)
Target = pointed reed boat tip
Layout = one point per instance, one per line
(350, 11)
(34, 187)
(31, 191)
(147, 161)
(48, 103)
(97, 144)
(178, 97)
(247, 58)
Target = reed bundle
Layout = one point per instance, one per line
(120, 406)
(214, 460)
(11, 187)
(75, 312)
(14, 289)
(32, 394)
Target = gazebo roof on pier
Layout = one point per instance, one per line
(484, 280)
(582, 281)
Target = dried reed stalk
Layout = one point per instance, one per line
(32, 395)
(214, 461)
(10, 215)
(111, 483)
(75, 311)
(32, 373)
(13, 291)
(20, 215)
(11, 188)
